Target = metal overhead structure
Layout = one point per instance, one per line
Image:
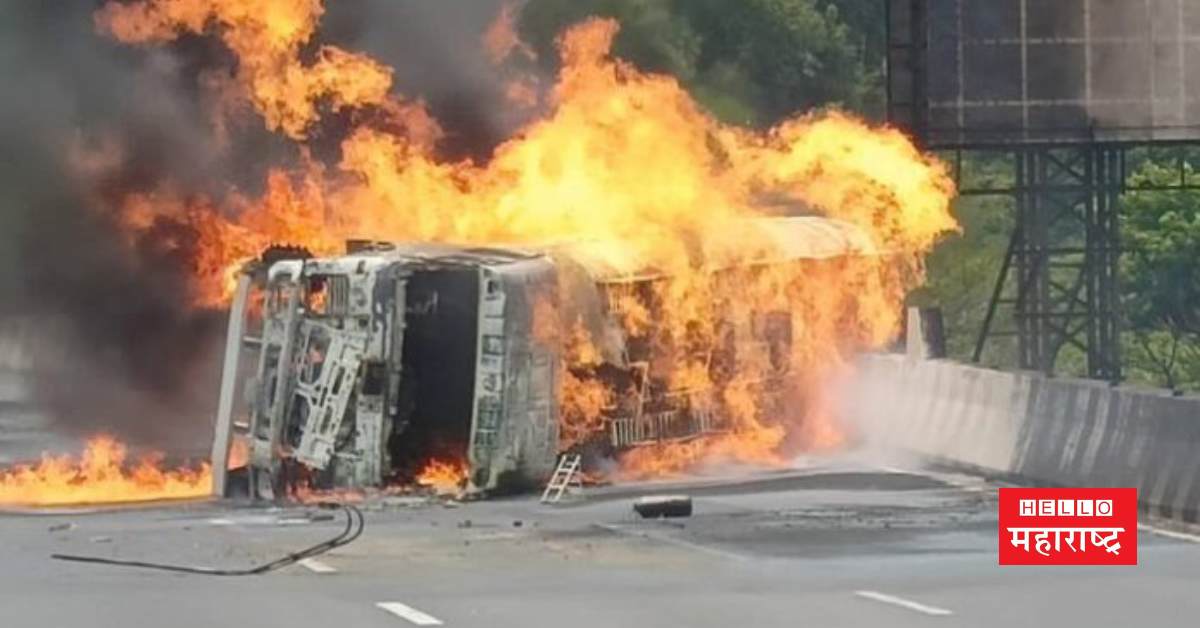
(1059, 274)
(1066, 94)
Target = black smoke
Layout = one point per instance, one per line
(136, 359)
(435, 49)
(128, 343)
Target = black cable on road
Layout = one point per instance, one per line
(354, 528)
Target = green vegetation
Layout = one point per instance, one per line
(756, 61)
(748, 61)
(1161, 281)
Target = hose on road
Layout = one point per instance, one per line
(354, 528)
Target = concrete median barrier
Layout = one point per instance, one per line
(1044, 430)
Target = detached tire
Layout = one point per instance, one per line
(660, 506)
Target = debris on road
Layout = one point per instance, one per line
(405, 502)
(660, 506)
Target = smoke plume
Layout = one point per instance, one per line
(86, 121)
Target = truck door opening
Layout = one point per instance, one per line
(437, 387)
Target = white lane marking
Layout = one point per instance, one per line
(899, 601)
(316, 566)
(220, 522)
(409, 613)
(1171, 534)
(666, 538)
(495, 536)
(293, 521)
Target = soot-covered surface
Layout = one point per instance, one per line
(437, 393)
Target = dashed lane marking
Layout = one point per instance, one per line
(409, 613)
(316, 566)
(903, 603)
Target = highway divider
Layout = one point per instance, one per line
(1055, 431)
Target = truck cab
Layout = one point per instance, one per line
(369, 365)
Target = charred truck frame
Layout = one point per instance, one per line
(352, 370)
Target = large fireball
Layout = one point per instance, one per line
(618, 156)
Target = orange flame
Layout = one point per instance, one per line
(758, 447)
(100, 476)
(239, 453)
(620, 157)
(267, 38)
(501, 40)
(512, 56)
(445, 477)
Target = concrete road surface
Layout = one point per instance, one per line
(832, 544)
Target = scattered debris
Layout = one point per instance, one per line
(659, 506)
(466, 523)
(518, 523)
(405, 502)
(61, 527)
(101, 539)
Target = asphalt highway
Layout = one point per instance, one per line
(830, 543)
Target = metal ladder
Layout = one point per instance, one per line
(565, 476)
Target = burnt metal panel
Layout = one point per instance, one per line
(514, 431)
(234, 343)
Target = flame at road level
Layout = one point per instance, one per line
(620, 157)
(100, 476)
(443, 476)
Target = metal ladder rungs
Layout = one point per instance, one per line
(565, 476)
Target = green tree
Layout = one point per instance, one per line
(747, 61)
(867, 23)
(796, 55)
(1161, 281)
(652, 36)
(963, 268)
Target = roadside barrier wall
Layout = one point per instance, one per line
(1055, 431)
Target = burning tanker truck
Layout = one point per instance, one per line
(352, 371)
(607, 282)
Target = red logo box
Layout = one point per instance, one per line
(1068, 526)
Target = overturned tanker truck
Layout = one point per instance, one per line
(350, 371)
